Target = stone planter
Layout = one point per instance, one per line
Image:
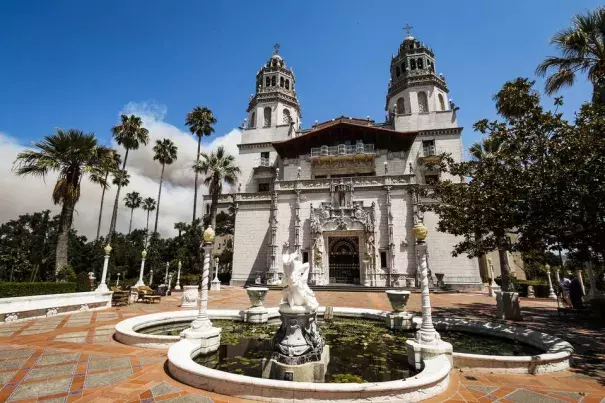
(440, 282)
(398, 299)
(189, 297)
(257, 313)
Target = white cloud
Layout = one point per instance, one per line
(20, 195)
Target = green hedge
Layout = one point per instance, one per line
(8, 290)
(540, 286)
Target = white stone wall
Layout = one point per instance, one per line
(277, 116)
(410, 97)
(450, 143)
(252, 236)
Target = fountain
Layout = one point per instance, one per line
(299, 352)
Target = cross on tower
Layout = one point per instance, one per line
(276, 48)
(408, 29)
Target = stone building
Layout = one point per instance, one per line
(338, 192)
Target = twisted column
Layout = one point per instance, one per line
(427, 333)
(202, 321)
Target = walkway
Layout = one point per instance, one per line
(74, 358)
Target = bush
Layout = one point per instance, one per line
(520, 286)
(66, 274)
(82, 282)
(190, 279)
(8, 290)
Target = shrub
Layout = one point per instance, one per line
(190, 279)
(82, 282)
(66, 274)
(8, 290)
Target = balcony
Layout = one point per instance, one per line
(344, 151)
(429, 154)
(263, 162)
(264, 168)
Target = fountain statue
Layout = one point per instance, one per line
(299, 350)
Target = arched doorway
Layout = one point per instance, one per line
(344, 260)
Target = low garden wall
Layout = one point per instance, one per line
(35, 306)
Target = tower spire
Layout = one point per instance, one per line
(276, 48)
(408, 29)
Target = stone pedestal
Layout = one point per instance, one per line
(189, 298)
(494, 289)
(257, 313)
(508, 305)
(530, 292)
(399, 319)
(418, 352)
(207, 338)
(298, 339)
(314, 371)
(215, 285)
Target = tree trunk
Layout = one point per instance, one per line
(101, 208)
(114, 215)
(130, 224)
(63, 235)
(504, 270)
(157, 212)
(197, 159)
(147, 230)
(214, 206)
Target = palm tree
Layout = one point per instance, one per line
(110, 165)
(129, 134)
(148, 205)
(180, 227)
(200, 121)
(165, 153)
(516, 98)
(219, 167)
(73, 154)
(133, 200)
(488, 147)
(582, 48)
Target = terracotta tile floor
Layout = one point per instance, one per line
(74, 357)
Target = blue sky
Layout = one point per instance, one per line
(78, 63)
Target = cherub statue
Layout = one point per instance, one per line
(296, 292)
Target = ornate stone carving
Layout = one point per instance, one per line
(355, 217)
(296, 292)
(11, 317)
(51, 312)
(190, 296)
(84, 307)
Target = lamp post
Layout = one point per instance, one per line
(166, 278)
(216, 283)
(150, 277)
(551, 292)
(201, 330)
(141, 283)
(177, 287)
(427, 333)
(103, 286)
(118, 280)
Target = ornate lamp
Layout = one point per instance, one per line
(420, 232)
(209, 235)
(144, 254)
(107, 249)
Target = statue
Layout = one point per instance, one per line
(370, 246)
(318, 250)
(296, 291)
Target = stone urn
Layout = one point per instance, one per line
(440, 282)
(257, 313)
(398, 299)
(530, 292)
(189, 297)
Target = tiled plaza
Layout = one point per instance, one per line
(74, 357)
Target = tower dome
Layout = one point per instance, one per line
(275, 102)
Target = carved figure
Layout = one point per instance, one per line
(315, 224)
(318, 250)
(296, 291)
(370, 246)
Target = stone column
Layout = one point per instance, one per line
(178, 278)
(103, 285)
(557, 278)
(166, 278)
(297, 217)
(390, 270)
(201, 331)
(141, 283)
(150, 277)
(427, 343)
(581, 280)
(118, 280)
(493, 287)
(216, 283)
(551, 292)
(593, 293)
(273, 277)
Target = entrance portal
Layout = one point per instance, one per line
(344, 260)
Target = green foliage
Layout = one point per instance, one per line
(66, 274)
(8, 290)
(82, 282)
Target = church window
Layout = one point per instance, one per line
(287, 118)
(428, 147)
(253, 120)
(441, 102)
(263, 187)
(400, 106)
(281, 82)
(412, 64)
(397, 71)
(419, 63)
(287, 84)
(273, 81)
(267, 81)
(383, 259)
(423, 102)
(267, 113)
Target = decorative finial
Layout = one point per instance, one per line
(408, 29)
(276, 48)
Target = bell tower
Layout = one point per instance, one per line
(415, 88)
(275, 103)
